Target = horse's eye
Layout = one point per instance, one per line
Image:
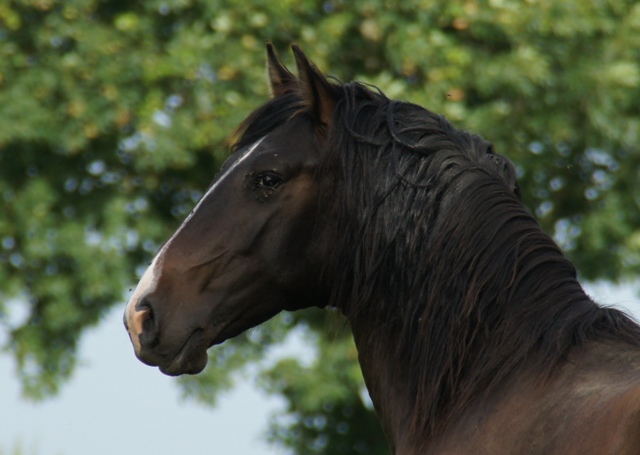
(268, 180)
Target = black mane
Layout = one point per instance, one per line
(435, 249)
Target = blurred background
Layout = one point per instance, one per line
(114, 117)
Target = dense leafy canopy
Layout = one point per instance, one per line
(115, 116)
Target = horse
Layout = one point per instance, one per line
(473, 333)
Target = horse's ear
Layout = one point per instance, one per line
(319, 95)
(280, 78)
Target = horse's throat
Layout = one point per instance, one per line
(389, 393)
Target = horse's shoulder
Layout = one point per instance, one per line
(626, 411)
(601, 389)
(590, 405)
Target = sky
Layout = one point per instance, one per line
(116, 405)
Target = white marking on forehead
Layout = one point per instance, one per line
(150, 276)
(244, 156)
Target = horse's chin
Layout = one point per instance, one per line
(191, 359)
(193, 365)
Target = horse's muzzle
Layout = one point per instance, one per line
(191, 358)
(185, 355)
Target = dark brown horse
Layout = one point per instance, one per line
(473, 333)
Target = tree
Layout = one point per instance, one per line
(116, 115)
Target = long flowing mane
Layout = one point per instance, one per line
(436, 250)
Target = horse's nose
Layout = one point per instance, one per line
(142, 324)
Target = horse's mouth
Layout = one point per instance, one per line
(192, 357)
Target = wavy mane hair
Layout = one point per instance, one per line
(434, 249)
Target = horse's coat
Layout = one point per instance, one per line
(474, 336)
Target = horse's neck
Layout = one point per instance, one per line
(388, 378)
(520, 307)
(388, 394)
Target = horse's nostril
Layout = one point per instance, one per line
(147, 323)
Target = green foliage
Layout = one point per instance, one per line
(115, 116)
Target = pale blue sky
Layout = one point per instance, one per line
(116, 405)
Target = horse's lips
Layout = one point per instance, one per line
(192, 357)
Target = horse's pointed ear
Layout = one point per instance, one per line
(280, 78)
(319, 95)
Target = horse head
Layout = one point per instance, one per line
(250, 248)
